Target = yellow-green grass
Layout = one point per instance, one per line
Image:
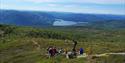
(18, 47)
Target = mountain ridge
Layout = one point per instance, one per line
(40, 19)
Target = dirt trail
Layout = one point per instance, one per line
(37, 46)
(100, 55)
(116, 53)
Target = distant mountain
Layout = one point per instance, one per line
(25, 18)
(39, 19)
(77, 17)
(108, 24)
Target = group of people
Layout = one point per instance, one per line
(53, 51)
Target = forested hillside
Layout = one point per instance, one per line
(26, 18)
(44, 19)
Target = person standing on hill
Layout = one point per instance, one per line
(75, 43)
(74, 48)
(81, 51)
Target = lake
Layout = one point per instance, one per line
(60, 22)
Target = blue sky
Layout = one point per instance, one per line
(77, 6)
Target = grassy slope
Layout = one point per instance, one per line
(17, 45)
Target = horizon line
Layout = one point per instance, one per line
(62, 12)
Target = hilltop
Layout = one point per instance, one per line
(16, 43)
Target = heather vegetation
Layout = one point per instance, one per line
(16, 43)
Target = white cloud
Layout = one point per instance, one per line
(102, 1)
(79, 1)
(41, 1)
(84, 6)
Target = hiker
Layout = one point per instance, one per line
(50, 52)
(72, 54)
(65, 50)
(75, 43)
(74, 48)
(55, 51)
(60, 50)
(89, 50)
(69, 55)
(81, 51)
